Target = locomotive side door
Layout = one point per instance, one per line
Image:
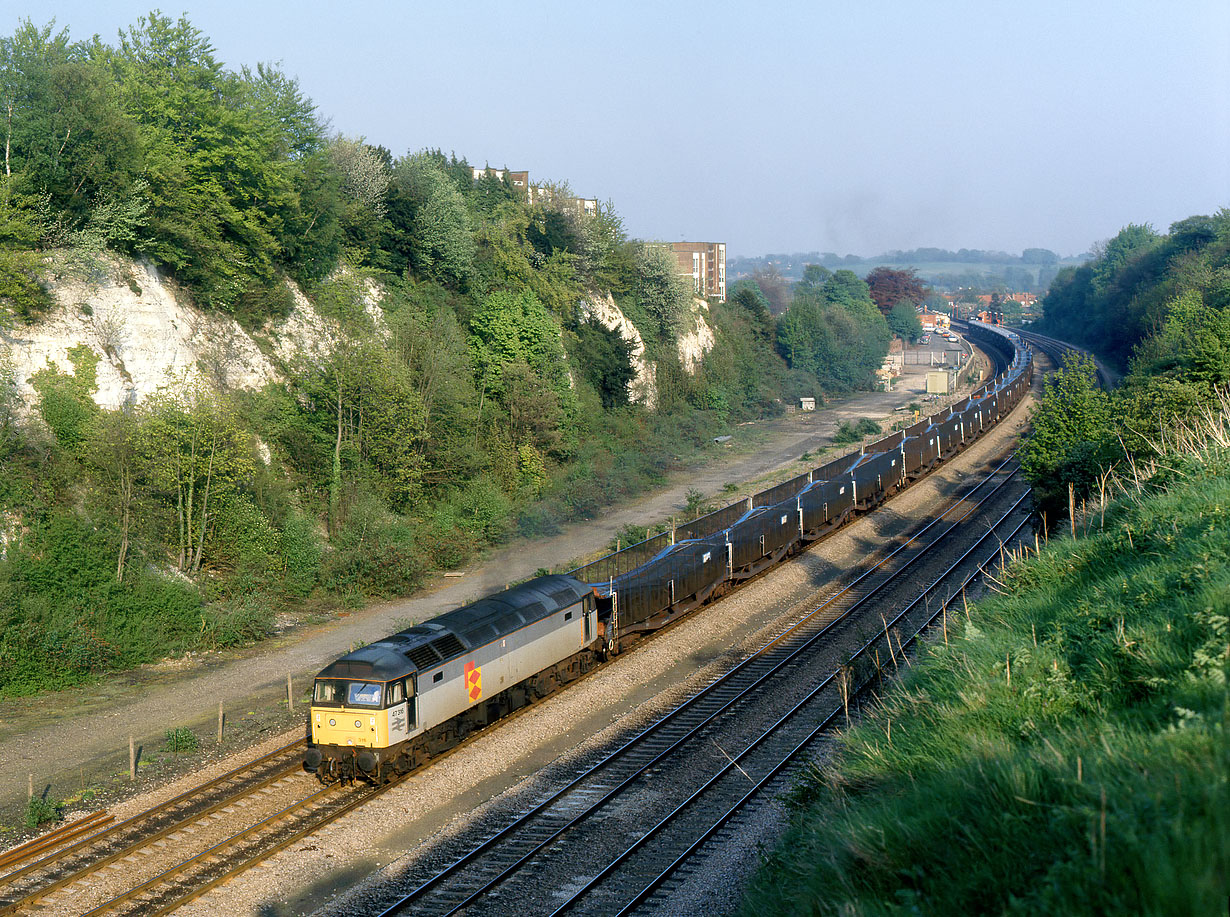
(401, 699)
(589, 615)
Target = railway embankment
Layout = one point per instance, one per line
(1068, 751)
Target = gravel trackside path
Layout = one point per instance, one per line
(81, 736)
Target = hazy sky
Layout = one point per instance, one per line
(857, 127)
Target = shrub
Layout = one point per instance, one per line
(181, 739)
(301, 553)
(40, 811)
(242, 619)
(376, 553)
(851, 433)
(64, 619)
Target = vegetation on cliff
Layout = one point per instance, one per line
(472, 402)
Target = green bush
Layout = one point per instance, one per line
(376, 553)
(180, 740)
(22, 293)
(235, 621)
(301, 553)
(853, 432)
(39, 811)
(66, 619)
(536, 521)
(242, 540)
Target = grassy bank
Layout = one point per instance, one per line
(1068, 754)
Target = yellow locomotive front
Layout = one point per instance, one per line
(362, 711)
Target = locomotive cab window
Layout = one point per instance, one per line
(329, 692)
(395, 694)
(364, 694)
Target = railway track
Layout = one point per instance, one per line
(714, 806)
(1057, 351)
(221, 841)
(50, 864)
(188, 878)
(575, 824)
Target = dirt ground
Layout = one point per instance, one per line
(74, 745)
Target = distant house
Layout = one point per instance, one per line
(705, 264)
(807, 404)
(537, 194)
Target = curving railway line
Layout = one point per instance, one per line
(628, 822)
(715, 753)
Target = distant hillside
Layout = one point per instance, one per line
(1031, 271)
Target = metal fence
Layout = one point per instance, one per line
(620, 562)
(782, 491)
(713, 522)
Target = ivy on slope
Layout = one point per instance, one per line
(1068, 754)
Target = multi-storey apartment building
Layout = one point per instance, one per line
(705, 263)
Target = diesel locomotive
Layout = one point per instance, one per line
(391, 705)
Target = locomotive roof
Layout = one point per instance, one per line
(456, 632)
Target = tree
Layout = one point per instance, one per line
(889, 287)
(904, 322)
(519, 362)
(747, 296)
(113, 456)
(65, 131)
(662, 293)
(1113, 255)
(364, 174)
(196, 455)
(434, 220)
(216, 184)
(1039, 256)
(815, 276)
(605, 359)
(1071, 439)
(774, 287)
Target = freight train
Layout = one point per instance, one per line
(388, 707)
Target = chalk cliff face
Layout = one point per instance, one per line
(143, 336)
(698, 339)
(147, 335)
(643, 388)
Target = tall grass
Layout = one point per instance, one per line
(1068, 753)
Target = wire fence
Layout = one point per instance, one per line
(712, 522)
(623, 561)
(783, 491)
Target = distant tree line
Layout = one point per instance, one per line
(989, 271)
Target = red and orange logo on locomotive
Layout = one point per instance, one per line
(474, 681)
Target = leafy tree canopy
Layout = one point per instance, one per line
(889, 287)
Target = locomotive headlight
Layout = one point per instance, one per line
(318, 717)
(358, 724)
(332, 722)
(373, 723)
